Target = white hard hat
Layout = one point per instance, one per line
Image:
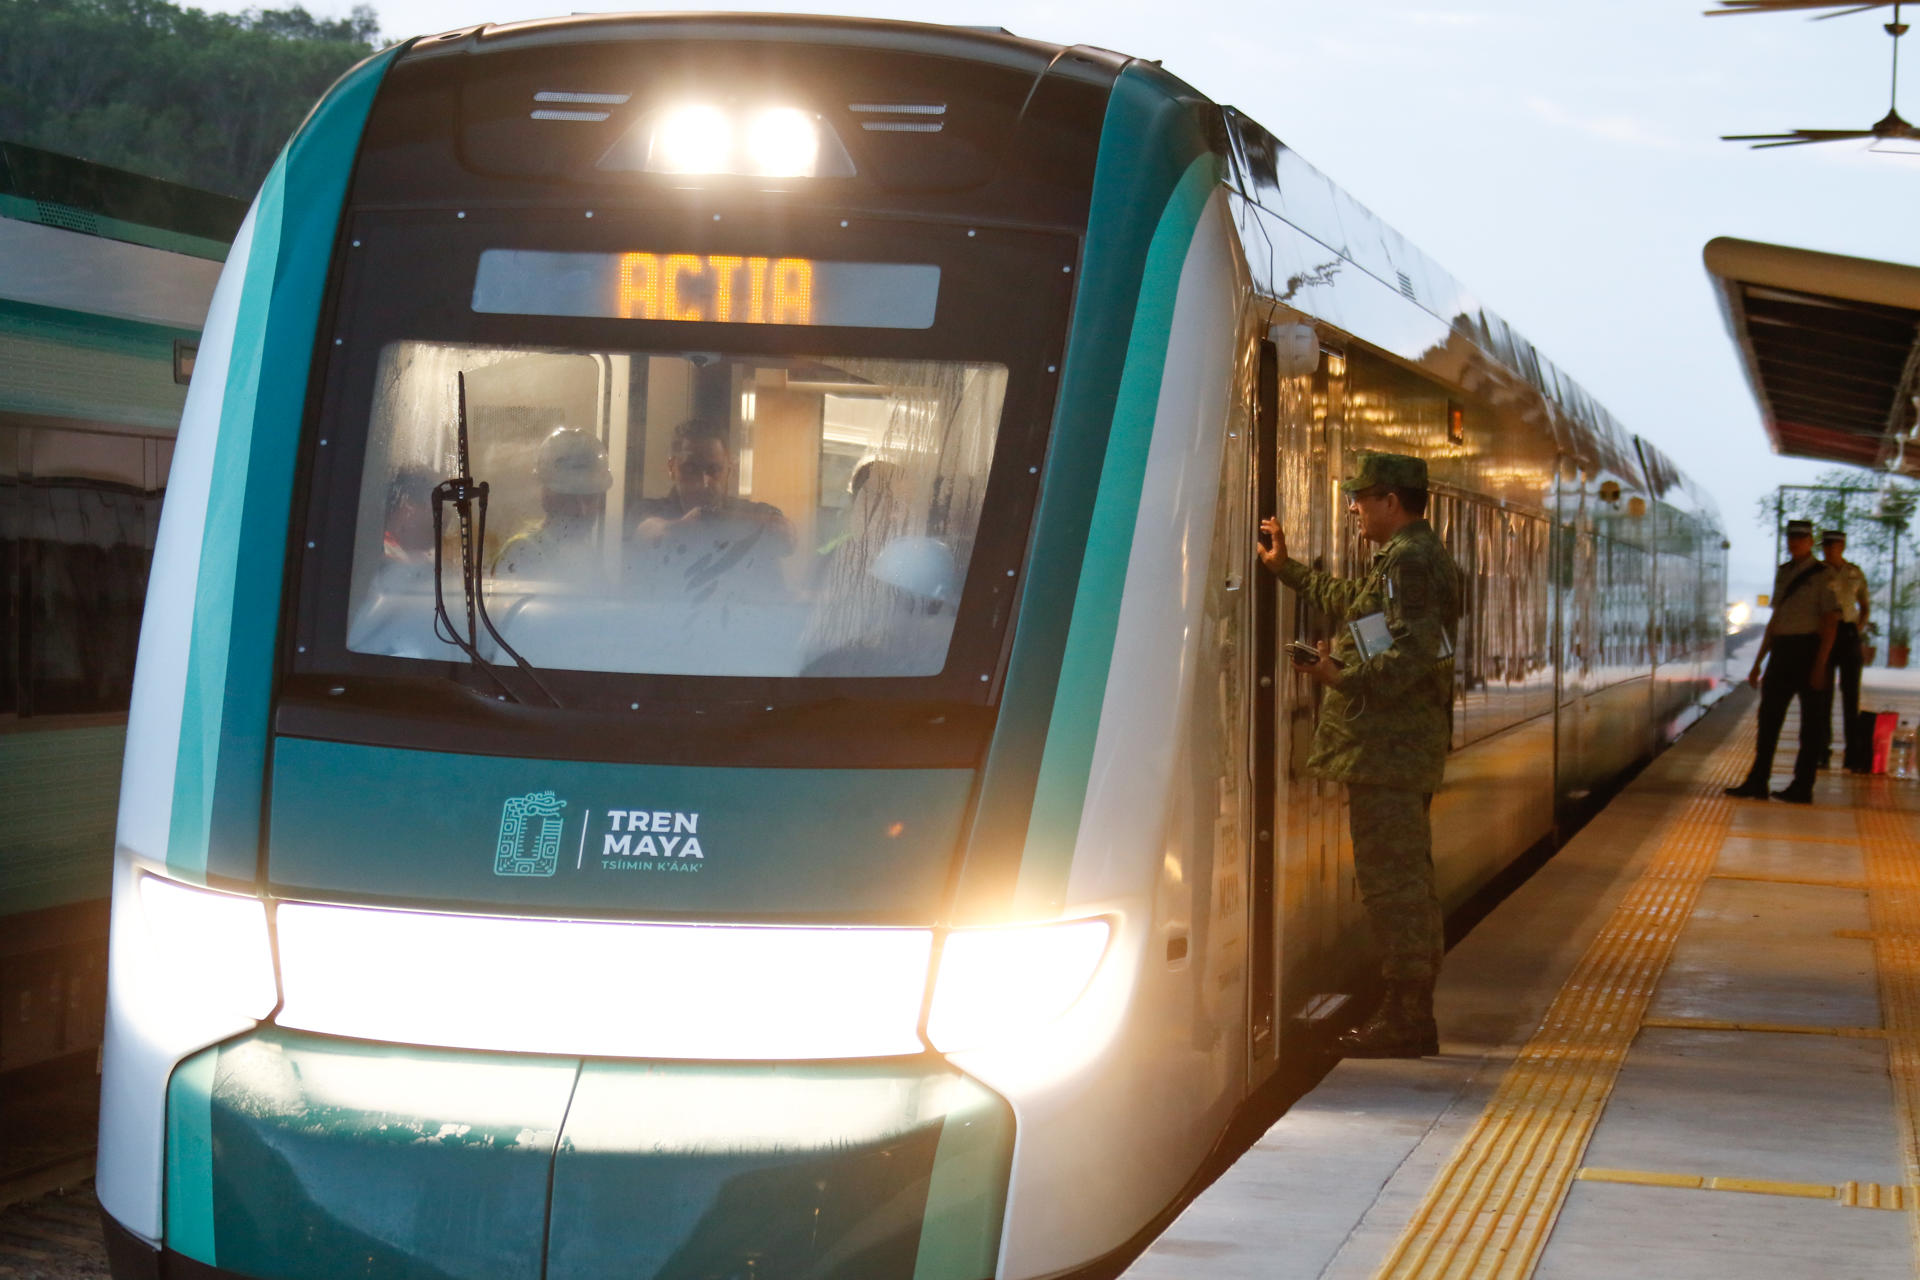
(573, 462)
(919, 566)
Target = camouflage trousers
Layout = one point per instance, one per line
(1393, 861)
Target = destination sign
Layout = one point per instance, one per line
(698, 288)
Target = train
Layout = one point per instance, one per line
(104, 278)
(706, 706)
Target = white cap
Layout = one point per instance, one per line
(573, 462)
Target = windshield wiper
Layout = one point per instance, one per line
(466, 494)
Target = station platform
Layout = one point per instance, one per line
(1689, 1046)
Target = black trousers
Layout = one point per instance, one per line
(1788, 676)
(1843, 671)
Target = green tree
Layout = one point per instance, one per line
(1877, 511)
(172, 92)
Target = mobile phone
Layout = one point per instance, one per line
(1303, 653)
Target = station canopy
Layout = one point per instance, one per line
(1831, 346)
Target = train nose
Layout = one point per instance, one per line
(294, 1157)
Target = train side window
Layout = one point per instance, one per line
(78, 512)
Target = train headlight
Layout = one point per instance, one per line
(602, 988)
(214, 946)
(783, 143)
(998, 984)
(700, 139)
(691, 140)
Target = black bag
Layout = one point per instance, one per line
(1865, 723)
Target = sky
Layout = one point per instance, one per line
(1563, 160)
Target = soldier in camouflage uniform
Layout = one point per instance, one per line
(1385, 725)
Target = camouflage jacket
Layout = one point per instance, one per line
(1388, 719)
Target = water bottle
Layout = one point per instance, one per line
(1900, 760)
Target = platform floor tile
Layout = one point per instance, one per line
(1761, 952)
(1787, 1108)
(1830, 817)
(1303, 1188)
(1806, 859)
(1661, 1234)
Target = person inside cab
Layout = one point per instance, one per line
(562, 544)
(406, 539)
(701, 537)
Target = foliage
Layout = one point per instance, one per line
(1878, 513)
(204, 99)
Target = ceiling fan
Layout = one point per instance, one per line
(1841, 8)
(1889, 127)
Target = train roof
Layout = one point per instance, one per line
(984, 44)
(1277, 180)
(95, 199)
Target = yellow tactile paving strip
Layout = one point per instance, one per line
(1892, 859)
(1490, 1209)
(1817, 882)
(1794, 837)
(1851, 1195)
(1773, 1028)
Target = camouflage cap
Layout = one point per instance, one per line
(1388, 470)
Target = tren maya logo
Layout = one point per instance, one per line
(651, 840)
(533, 829)
(530, 828)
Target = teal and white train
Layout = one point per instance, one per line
(705, 709)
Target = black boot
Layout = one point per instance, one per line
(1402, 1027)
(1751, 789)
(1798, 793)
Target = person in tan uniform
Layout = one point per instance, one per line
(1843, 667)
(1799, 637)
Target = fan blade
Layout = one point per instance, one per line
(1799, 135)
(1841, 7)
(1813, 136)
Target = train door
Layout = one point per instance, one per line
(1262, 895)
(1296, 852)
(1313, 889)
(1335, 894)
(1577, 584)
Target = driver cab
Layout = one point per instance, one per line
(689, 513)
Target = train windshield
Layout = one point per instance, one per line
(675, 513)
(737, 468)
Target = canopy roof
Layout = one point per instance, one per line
(1831, 346)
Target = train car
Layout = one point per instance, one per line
(706, 707)
(104, 279)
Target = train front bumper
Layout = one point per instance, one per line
(301, 1157)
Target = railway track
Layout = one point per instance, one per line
(50, 1225)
